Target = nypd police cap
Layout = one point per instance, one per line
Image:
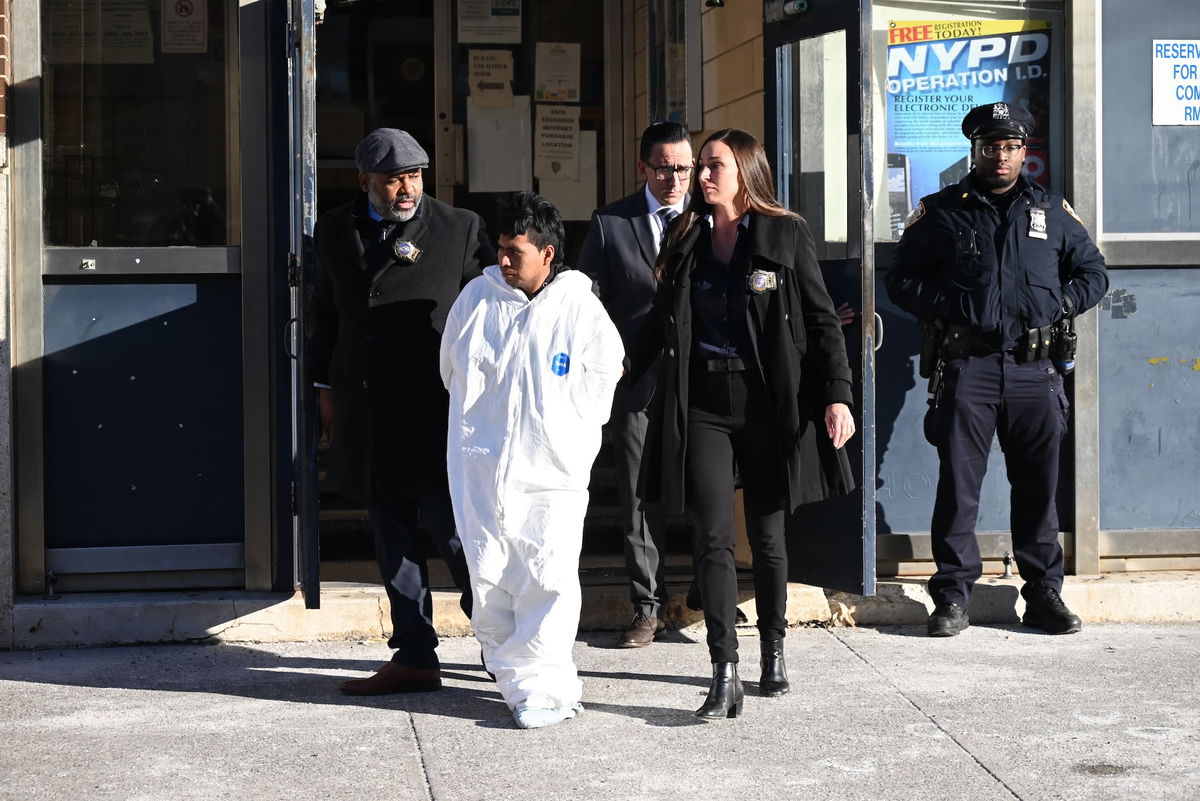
(998, 121)
(389, 151)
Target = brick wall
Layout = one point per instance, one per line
(6, 466)
(5, 71)
(732, 55)
(641, 82)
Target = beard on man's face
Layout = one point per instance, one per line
(392, 211)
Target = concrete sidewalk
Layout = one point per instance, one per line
(360, 611)
(1001, 712)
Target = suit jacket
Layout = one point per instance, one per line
(618, 255)
(376, 326)
(797, 340)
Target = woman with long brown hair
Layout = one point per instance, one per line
(754, 374)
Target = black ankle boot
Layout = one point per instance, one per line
(724, 694)
(774, 679)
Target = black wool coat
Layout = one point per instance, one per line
(798, 343)
(374, 338)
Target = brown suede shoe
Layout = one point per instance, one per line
(641, 631)
(395, 678)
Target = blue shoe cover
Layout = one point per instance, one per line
(535, 718)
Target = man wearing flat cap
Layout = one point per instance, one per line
(996, 267)
(390, 264)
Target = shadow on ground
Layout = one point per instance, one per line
(240, 671)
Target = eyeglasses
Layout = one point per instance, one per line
(684, 171)
(991, 151)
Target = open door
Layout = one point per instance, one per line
(817, 69)
(302, 91)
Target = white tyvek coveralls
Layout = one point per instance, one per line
(524, 430)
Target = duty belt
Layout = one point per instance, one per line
(956, 341)
(1034, 344)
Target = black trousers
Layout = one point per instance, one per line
(730, 417)
(402, 528)
(644, 524)
(1025, 407)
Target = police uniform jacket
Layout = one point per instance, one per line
(376, 325)
(961, 261)
(798, 345)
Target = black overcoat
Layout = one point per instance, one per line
(375, 334)
(798, 344)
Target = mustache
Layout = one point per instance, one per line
(402, 198)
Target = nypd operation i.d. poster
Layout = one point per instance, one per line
(939, 70)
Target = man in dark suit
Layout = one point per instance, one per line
(390, 263)
(619, 253)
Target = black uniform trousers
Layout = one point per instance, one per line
(1025, 407)
(731, 417)
(644, 524)
(401, 529)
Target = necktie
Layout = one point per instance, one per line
(666, 214)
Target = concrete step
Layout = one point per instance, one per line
(358, 610)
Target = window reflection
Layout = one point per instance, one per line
(812, 160)
(136, 142)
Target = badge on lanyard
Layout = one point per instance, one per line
(1037, 223)
(406, 251)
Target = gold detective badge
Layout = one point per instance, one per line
(406, 251)
(761, 281)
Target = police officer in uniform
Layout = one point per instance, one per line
(996, 267)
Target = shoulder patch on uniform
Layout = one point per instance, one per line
(1067, 208)
(916, 214)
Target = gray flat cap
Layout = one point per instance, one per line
(389, 150)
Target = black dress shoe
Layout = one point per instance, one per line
(1045, 610)
(725, 693)
(947, 620)
(774, 680)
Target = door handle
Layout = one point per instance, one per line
(289, 329)
(878, 330)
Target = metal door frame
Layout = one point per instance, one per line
(301, 271)
(248, 73)
(783, 26)
(910, 553)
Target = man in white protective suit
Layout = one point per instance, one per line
(531, 360)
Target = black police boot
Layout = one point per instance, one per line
(774, 680)
(725, 693)
(1045, 610)
(947, 620)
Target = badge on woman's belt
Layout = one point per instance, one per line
(1037, 223)
(405, 251)
(761, 281)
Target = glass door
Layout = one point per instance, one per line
(301, 272)
(818, 138)
(142, 369)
